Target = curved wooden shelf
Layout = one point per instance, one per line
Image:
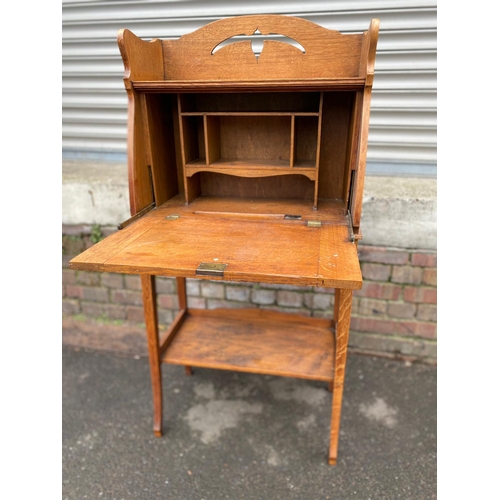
(252, 168)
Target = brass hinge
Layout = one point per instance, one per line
(210, 269)
(313, 223)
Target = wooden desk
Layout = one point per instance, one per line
(254, 180)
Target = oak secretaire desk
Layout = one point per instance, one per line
(246, 168)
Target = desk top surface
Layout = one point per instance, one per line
(251, 237)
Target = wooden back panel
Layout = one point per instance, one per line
(334, 61)
(328, 53)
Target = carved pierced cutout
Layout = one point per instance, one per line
(263, 47)
(257, 42)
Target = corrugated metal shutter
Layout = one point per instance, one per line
(403, 126)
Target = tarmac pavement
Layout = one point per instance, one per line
(231, 435)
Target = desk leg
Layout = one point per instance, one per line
(182, 294)
(342, 317)
(335, 321)
(151, 320)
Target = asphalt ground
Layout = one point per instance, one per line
(231, 435)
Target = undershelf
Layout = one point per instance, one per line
(256, 341)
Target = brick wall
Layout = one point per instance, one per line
(394, 314)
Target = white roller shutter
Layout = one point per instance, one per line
(403, 124)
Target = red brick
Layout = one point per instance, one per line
(86, 278)
(276, 286)
(112, 280)
(309, 300)
(71, 306)
(193, 287)
(92, 309)
(72, 246)
(376, 272)
(289, 299)
(68, 277)
(407, 274)
(374, 325)
(263, 296)
(165, 317)
(135, 314)
(293, 310)
(424, 259)
(429, 277)
(212, 290)
(401, 310)
(165, 285)
(427, 330)
(320, 289)
(168, 301)
(373, 343)
(371, 307)
(226, 304)
(322, 301)
(238, 293)
(382, 255)
(74, 291)
(132, 282)
(384, 291)
(421, 294)
(94, 294)
(113, 311)
(127, 297)
(196, 303)
(355, 305)
(427, 312)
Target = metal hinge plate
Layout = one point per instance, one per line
(210, 269)
(313, 223)
(172, 217)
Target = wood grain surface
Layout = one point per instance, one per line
(256, 341)
(264, 249)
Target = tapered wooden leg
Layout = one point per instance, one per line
(181, 292)
(336, 306)
(335, 320)
(343, 304)
(151, 320)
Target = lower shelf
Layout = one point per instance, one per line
(256, 341)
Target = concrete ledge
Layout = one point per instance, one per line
(398, 212)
